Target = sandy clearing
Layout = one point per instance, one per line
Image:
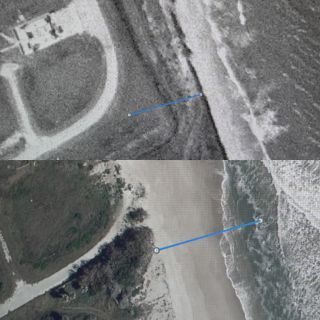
(183, 199)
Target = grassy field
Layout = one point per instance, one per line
(61, 81)
(53, 211)
(8, 122)
(102, 287)
(9, 9)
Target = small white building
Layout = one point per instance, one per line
(48, 29)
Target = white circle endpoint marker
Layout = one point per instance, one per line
(260, 220)
(129, 114)
(156, 250)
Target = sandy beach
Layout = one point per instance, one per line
(183, 201)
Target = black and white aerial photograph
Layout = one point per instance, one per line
(159, 79)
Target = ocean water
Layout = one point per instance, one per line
(274, 267)
(271, 51)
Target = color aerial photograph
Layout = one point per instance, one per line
(122, 240)
(159, 79)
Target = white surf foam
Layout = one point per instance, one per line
(300, 181)
(229, 102)
(227, 251)
(299, 243)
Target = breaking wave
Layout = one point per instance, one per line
(275, 267)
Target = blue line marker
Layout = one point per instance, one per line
(244, 225)
(158, 106)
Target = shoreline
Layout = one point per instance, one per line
(239, 291)
(183, 199)
(210, 53)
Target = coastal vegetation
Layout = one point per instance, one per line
(100, 288)
(136, 215)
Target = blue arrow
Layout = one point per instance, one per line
(158, 106)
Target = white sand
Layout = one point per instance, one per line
(183, 201)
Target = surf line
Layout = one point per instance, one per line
(158, 106)
(240, 226)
